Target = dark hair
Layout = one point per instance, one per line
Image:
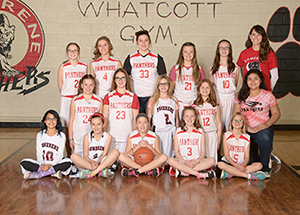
(212, 99)
(113, 83)
(196, 72)
(58, 126)
(96, 53)
(87, 76)
(196, 123)
(67, 47)
(142, 32)
(96, 115)
(141, 115)
(265, 47)
(244, 91)
(216, 65)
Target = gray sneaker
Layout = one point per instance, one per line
(31, 175)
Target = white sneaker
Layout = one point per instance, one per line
(275, 159)
(57, 174)
(75, 175)
(268, 174)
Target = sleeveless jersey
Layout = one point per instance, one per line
(48, 148)
(104, 71)
(207, 117)
(135, 138)
(225, 83)
(164, 114)
(185, 89)
(143, 73)
(71, 76)
(96, 148)
(237, 148)
(120, 113)
(83, 111)
(189, 143)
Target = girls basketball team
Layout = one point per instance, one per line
(182, 116)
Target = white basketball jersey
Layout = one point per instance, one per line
(189, 143)
(237, 148)
(225, 83)
(120, 115)
(50, 146)
(135, 138)
(207, 117)
(83, 111)
(185, 89)
(143, 73)
(96, 148)
(164, 114)
(104, 71)
(71, 76)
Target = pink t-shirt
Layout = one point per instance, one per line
(249, 59)
(256, 109)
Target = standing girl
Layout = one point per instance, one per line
(224, 74)
(50, 146)
(69, 74)
(236, 147)
(163, 109)
(82, 107)
(121, 106)
(256, 103)
(96, 145)
(259, 55)
(185, 75)
(189, 148)
(209, 114)
(142, 137)
(104, 65)
(144, 67)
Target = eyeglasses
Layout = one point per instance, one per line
(120, 78)
(72, 51)
(238, 120)
(51, 119)
(224, 48)
(163, 84)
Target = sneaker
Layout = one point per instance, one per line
(257, 176)
(172, 172)
(57, 174)
(86, 175)
(75, 174)
(180, 174)
(129, 172)
(275, 158)
(153, 172)
(112, 169)
(225, 175)
(206, 174)
(103, 173)
(267, 174)
(31, 175)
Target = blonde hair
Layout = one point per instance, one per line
(212, 98)
(230, 127)
(156, 93)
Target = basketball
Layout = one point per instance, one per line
(143, 156)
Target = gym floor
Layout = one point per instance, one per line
(146, 195)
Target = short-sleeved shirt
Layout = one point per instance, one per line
(237, 147)
(185, 88)
(104, 71)
(189, 143)
(256, 109)
(249, 59)
(144, 71)
(120, 113)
